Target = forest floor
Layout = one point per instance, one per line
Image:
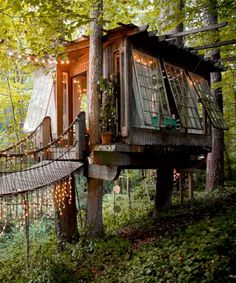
(195, 242)
(192, 243)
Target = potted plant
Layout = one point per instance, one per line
(107, 116)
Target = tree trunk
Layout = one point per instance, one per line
(180, 27)
(215, 159)
(94, 203)
(94, 208)
(164, 184)
(66, 220)
(163, 197)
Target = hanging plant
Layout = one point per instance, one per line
(107, 116)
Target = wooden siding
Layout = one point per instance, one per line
(164, 137)
(79, 66)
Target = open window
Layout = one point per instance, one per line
(204, 92)
(186, 101)
(149, 91)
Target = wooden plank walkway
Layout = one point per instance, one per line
(40, 175)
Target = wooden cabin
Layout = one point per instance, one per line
(164, 107)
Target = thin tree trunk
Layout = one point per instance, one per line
(215, 159)
(94, 203)
(12, 108)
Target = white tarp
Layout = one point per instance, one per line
(42, 102)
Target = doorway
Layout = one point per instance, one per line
(79, 94)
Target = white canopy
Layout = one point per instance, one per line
(42, 102)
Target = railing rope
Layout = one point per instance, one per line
(33, 140)
(13, 162)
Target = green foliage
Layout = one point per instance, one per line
(15, 90)
(109, 90)
(193, 244)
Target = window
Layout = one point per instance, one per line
(203, 90)
(185, 99)
(149, 91)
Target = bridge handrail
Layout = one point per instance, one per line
(23, 140)
(55, 141)
(16, 162)
(41, 164)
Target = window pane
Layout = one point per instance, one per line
(149, 90)
(203, 90)
(185, 99)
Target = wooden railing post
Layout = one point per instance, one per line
(80, 136)
(46, 136)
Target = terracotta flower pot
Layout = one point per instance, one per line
(106, 137)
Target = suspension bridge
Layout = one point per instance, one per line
(38, 170)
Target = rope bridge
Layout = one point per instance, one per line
(31, 142)
(48, 168)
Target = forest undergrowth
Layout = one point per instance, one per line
(191, 243)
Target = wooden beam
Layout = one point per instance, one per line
(215, 45)
(193, 31)
(103, 172)
(230, 59)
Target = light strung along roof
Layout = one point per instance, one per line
(157, 45)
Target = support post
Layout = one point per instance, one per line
(65, 213)
(94, 207)
(46, 136)
(164, 184)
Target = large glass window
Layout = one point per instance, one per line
(208, 101)
(150, 93)
(185, 99)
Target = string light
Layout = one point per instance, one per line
(33, 204)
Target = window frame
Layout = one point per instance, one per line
(180, 90)
(150, 101)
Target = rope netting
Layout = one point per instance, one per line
(65, 146)
(30, 142)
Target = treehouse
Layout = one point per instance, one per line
(161, 107)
